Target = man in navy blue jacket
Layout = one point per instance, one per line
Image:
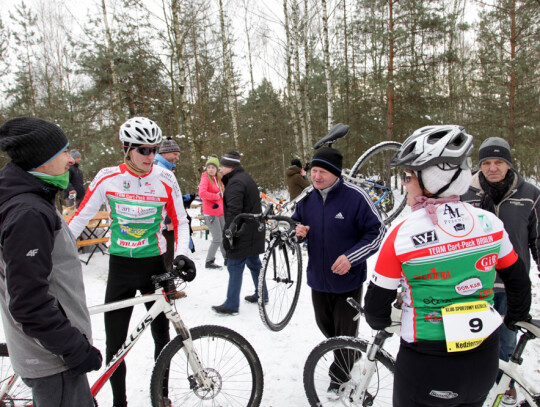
(343, 228)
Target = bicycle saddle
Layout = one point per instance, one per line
(338, 131)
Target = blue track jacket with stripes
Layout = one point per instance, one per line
(347, 222)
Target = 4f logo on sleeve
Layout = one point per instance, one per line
(32, 253)
(425, 238)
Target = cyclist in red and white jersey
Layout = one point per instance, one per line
(444, 255)
(138, 196)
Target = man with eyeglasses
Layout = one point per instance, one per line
(138, 196)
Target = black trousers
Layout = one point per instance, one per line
(126, 277)
(334, 317)
(426, 375)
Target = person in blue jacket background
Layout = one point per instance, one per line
(343, 228)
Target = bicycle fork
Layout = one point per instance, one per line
(356, 388)
(199, 379)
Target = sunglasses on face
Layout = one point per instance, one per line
(146, 150)
(406, 177)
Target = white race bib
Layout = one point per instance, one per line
(467, 324)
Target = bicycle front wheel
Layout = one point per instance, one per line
(230, 365)
(336, 364)
(383, 184)
(281, 274)
(19, 394)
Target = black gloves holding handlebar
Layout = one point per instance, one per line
(185, 268)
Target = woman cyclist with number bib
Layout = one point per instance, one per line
(444, 255)
(138, 196)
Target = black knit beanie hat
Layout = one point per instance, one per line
(296, 162)
(495, 147)
(328, 158)
(230, 159)
(31, 142)
(169, 146)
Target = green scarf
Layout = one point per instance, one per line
(59, 181)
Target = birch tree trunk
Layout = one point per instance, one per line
(290, 88)
(297, 79)
(228, 77)
(326, 53)
(185, 125)
(307, 93)
(117, 106)
(246, 26)
(390, 76)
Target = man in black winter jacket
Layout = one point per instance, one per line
(498, 188)
(42, 300)
(76, 181)
(241, 196)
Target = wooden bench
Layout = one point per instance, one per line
(199, 228)
(90, 242)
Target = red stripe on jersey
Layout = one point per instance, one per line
(507, 260)
(90, 192)
(136, 197)
(388, 264)
(451, 247)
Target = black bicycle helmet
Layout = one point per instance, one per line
(434, 145)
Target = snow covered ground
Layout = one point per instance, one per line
(282, 354)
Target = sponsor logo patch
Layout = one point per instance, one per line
(487, 262)
(32, 252)
(469, 286)
(447, 395)
(433, 317)
(434, 275)
(423, 239)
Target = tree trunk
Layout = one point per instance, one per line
(297, 79)
(185, 124)
(228, 77)
(117, 106)
(326, 52)
(307, 93)
(390, 79)
(513, 83)
(290, 89)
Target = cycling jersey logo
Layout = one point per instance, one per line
(135, 232)
(134, 211)
(485, 293)
(487, 262)
(469, 286)
(485, 223)
(127, 184)
(437, 301)
(459, 227)
(452, 212)
(447, 395)
(425, 238)
(434, 275)
(132, 244)
(433, 317)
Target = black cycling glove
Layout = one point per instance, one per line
(185, 268)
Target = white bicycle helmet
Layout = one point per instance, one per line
(434, 145)
(140, 130)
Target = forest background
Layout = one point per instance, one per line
(269, 78)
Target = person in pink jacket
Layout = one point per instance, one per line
(211, 192)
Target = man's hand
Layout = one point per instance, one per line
(342, 265)
(302, 231)
(185, 268)
(92, 362)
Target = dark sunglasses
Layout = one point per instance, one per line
(406, 177)
(146, 150)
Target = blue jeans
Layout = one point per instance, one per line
(507, 337)
(236, 271)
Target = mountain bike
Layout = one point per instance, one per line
(281, 271)
(207, 365)
(364, 371)
(372, 172)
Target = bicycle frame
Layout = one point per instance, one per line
(161, 304)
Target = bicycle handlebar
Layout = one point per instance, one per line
(232, 231)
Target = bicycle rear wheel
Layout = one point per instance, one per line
(373, 173)
(282, 274)
(337, 362)
(230, 364)
(19, 395)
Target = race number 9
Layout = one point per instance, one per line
(476, 324)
